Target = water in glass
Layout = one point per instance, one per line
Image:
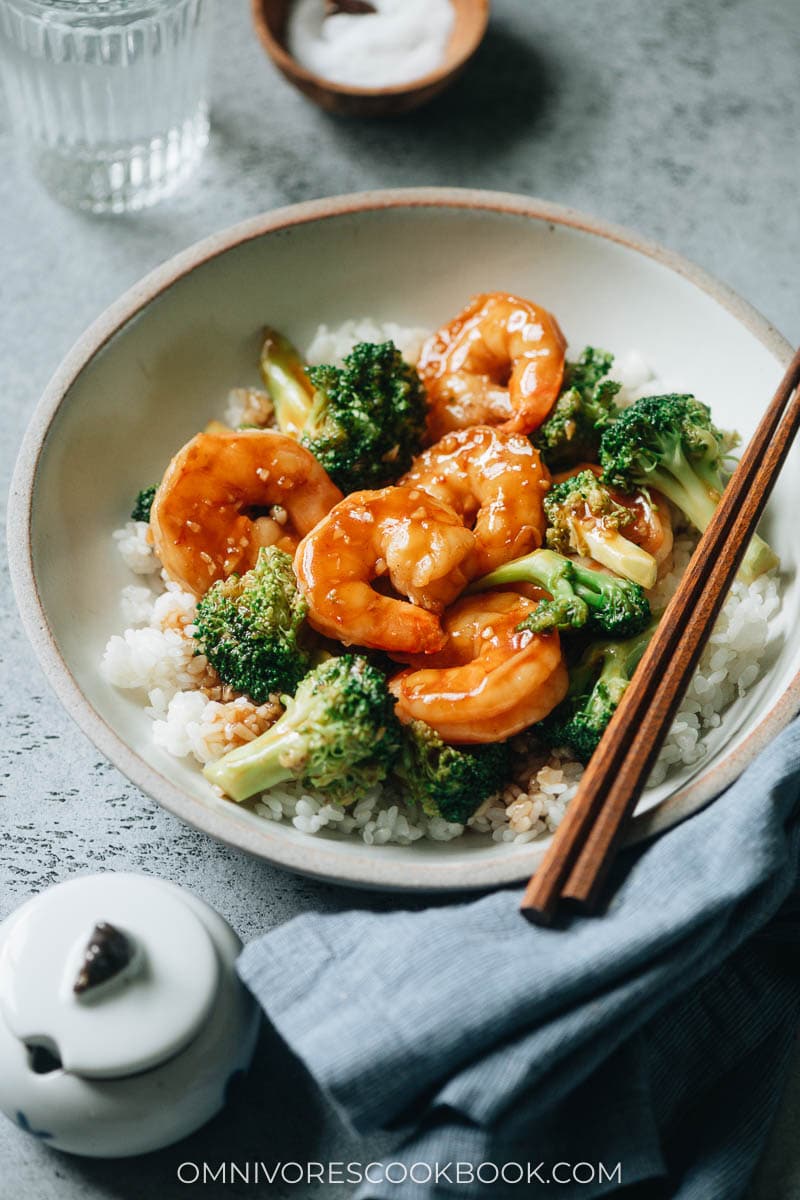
(109, 95)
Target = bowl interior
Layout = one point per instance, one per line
(168, 368)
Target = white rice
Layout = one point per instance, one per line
(248, 406)
(136, 547)
(194, 724)
(332, 345)
(195, 716)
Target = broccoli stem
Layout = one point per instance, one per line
(622, 658)
(619, 661)
(563, 578)
(597, 684)
(612, 550)
(758, 559)
(698, 501)
(274, 757)
(543, 567)
(581, 595)
(256, 766)
(290, 389)
(593, 587)
(547, 570)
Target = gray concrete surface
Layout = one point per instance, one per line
(679, 118)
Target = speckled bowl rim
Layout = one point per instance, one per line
(318, 857)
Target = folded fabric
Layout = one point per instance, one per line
(653, 1036)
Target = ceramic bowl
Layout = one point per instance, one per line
(159, 363)
(471, 20)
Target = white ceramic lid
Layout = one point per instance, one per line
(138, 1018)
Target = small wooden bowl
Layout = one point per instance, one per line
(471, 19)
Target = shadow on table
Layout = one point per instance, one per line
(275, 1115)
(505, 91)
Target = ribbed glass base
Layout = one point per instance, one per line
(120, 180)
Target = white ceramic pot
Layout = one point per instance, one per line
(122, 1020)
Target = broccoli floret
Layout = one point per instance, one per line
(363, 421)
(449, 781)
(591, 368)
(581, 597)
(285, 378)
(597, 684)
(368, 417)
(585, 407)
(252, 628)
(144, 502)
(339, 734)
(585, 519)
(670, 443)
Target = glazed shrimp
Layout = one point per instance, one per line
(500, 362)
(399, 535)
(205, 516)
(650, 525)
(495, 481)
(491, 679)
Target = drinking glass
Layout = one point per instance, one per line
(109, 96)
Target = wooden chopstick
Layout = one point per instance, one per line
(585, 842)
(717, 572)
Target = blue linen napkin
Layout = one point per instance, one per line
(654, 1037)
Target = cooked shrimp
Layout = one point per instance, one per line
(490, 680)
(495, 481)
(224, 495)
(651, 524)
(500, 362)
(398, 535)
